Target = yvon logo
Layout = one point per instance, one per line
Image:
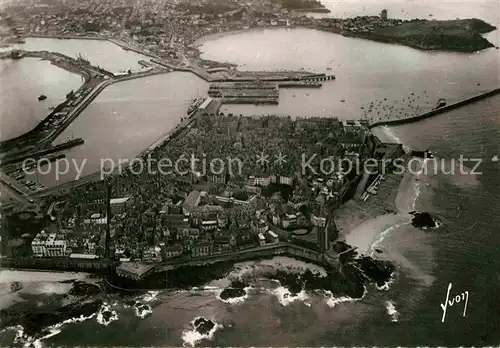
(464, 296)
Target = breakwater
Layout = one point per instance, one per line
(37, 154)
(436, 111)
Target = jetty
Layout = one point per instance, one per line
(436, 111)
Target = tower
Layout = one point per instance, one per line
(383, 15)
(107, 241)
(319, 219)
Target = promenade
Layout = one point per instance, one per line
(328, 260)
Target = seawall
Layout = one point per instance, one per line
(436, 111)
(100, 265)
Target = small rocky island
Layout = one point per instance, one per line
(203, 326)
(423, 220)
(235, 290)
(461, 35)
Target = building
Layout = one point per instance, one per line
(173, 251)
(273, 237)
(286, 180)
(120, 205)
(152, 255)
(218, 178)
(318, 221)
(208, 225)
(263, 181)
(55, 245)
(201, 249)
(262, 239)
(289, 221)
(191, 201)
(38, 244)
(256, 190)
(260, 226)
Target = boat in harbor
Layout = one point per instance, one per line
(194, 105)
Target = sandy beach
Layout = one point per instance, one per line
(368, 231)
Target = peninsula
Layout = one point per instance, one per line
(462, 35)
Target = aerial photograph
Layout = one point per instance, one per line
(249, 173)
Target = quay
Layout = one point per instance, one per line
(37, 154)
(437, 111)
(304, 78)
(250, 100)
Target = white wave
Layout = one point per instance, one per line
(391, 310)
(53, 330)
(390, 133)
(416, 185)
(333, 301)
(100, 315)
(235, 300)
(192, 337)
(387, 284)
(142, 310)
(47, 288)
(9, 276)
(285, 297)
(279, 262)
(150, 296)
(382, 236)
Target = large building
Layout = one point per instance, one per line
(48, 245)
(191, 201)
(120, 205)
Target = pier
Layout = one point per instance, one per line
(436, 111)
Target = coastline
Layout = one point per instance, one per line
(369, 233)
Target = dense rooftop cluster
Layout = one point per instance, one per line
(156, 217)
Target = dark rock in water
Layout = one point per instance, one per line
(340, 247)
(84, 289)
(15, 286)
(203, 326)
(422, 154)
(239, 284)
(423, 220)
(35, 323)
(376, 270)
(106, 315)
(378, 251)
(229, 293)
(236, 289)
(42, 97)
(131, 303)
